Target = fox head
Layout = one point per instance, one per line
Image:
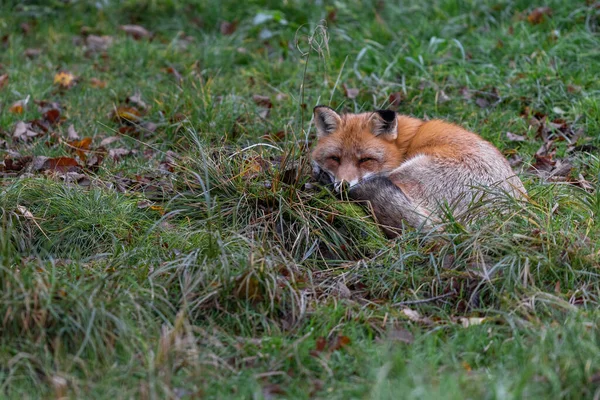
(351, 147)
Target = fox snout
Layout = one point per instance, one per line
(326, 178)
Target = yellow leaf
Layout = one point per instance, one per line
(64, 79)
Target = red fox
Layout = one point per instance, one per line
(407, 168)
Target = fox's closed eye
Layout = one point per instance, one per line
(366, 159)
(334, 158)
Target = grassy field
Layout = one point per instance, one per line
(162, 237)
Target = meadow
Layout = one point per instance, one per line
(162, 237)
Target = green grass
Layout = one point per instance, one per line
(208, 264)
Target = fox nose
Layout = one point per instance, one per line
(342, 186)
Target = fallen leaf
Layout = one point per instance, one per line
(96, 43)
(23, 131)
(136, 31)
(320, 344)
(342, 290)
(228, 28)
(174, 72)
(125, 114)
(3, 80)
(16, 164)
(136, 99)
(25, 212)
(72, 133)
(272, 390)
(584, 184)
(263, 101)
(515, 160)
(177, 117)
(264, 113)
(44, 106)
(471, 321)
(81, 146)
(52, 116)
(416, 317)
(537, 15)
(64, 79)
(482, 102)
(149, 126)
(543, 163)
(97, 83)
(350, 93)
(118, 153)
(395, 99)
(466, 366)
(515, 138)
(442, 97)
(25, 28)
(109, 140)
(95, 159)
(562, 168)
(17, 107)
(60, 164)
(32, 53)
(340, 342)
(399, 334)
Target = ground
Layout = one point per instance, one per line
(162, 237)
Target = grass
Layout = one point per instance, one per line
(207, 264)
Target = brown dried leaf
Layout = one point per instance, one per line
(52, 116)
(543, 163)
(61, 164)
(25, 28)
(16, 164)
(136, 99)
(174, 72)
(537, 15)
(340, 342)
(584, 184)
(350, 93)
(515, 160)
(117, 154)
(136, 31)
(515, 138)
(482, 102)
(263, 101)
(72, 133)
(228, 28)
(32, 53)
(109, 140)
(416, 317)
(97, 44)
(17, 107)
(97, 83)
(149, 126)
(320, 344)
(395, 99)
(23, 131)
(81, 146)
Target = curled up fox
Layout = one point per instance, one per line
(410, 170)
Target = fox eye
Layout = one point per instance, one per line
(365, 159)
(335, 158)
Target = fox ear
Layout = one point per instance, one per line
(327, 120)
(385, 124)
